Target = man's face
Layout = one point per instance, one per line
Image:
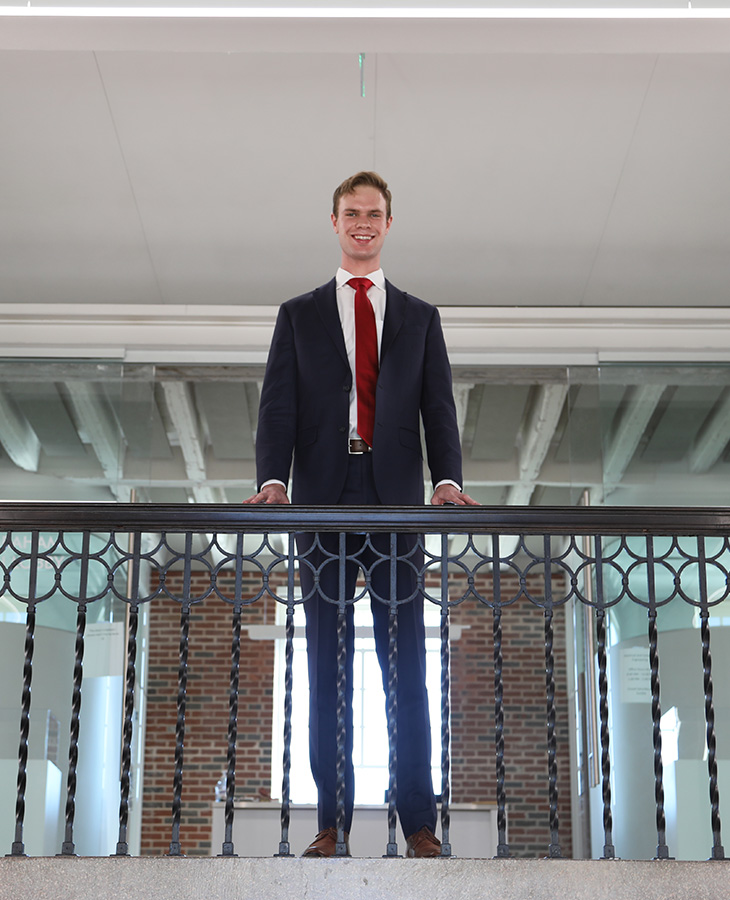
(361, 225)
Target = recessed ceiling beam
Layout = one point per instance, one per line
(461, 399)
(712, 439)
(96, 421)
(538, 432)
(17, 437)
(641, 401)
(182, 414)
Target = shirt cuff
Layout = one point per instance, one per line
(272, 481)
(447, 481)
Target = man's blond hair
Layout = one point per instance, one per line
(361, 179)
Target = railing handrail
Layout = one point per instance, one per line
(203, 517)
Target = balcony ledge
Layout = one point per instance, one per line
(156, 878)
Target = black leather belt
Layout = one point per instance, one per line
(359, 446)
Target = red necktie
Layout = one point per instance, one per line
(366, 358)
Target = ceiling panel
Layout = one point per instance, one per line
(234, 159)
(520, 157)
(69, 227)
(668, 230)
(519, 179)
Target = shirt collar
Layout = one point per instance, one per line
(343, 276)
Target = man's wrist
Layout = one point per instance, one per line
(447, 481)
(272, 481)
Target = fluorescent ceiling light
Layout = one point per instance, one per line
(259, 12)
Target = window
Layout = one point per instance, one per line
(370, 739)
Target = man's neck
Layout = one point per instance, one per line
(360, 267)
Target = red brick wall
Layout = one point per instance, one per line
(206, 720)
(473, 756)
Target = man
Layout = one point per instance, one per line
(354, 366)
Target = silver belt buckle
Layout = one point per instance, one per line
(362, 444)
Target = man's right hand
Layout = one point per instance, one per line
(270, 493)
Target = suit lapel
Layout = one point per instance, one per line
(395, 310)
(325, 300)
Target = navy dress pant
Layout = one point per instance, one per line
(416, 803)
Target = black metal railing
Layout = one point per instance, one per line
(606, 556)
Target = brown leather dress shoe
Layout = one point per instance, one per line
(325, 844)
(422, 844)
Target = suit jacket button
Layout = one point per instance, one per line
(346, 387)
(342, 428)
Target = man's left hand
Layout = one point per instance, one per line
(449, 493)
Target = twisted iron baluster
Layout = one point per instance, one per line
(552, 743)
(392, 702)
(341, 846)
(227, 849)
(67, 848)
(445, 734)
(392, 714)
(718, 851)
(502, 845)
(182, 686)
(122, 844)
(182, 689)
(609, 851)
(18, 848)
(662, 851)
(284, 846)
(445, 701)
(131, 677)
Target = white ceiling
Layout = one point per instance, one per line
(534, 162)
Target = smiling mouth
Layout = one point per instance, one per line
(363, 238)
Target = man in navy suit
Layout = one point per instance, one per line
(310, 415)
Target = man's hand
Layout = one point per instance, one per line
(269, 493)
(449, 493)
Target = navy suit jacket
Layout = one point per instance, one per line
(304, 407)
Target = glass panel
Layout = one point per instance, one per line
(60, 437)
(110, 431)
(665, 432)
